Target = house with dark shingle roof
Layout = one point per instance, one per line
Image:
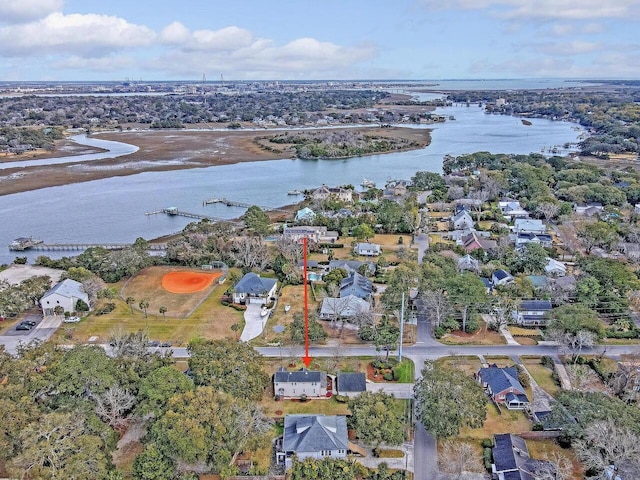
(356, 284)
(501, 277)
(533, 313)
(351, 384)
(311, 384)
(503, 386)
(313, 436)
(252, 288)
(511, 460)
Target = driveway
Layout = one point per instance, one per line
(422, 240)
(42, 331)
(398, 390)
(253, 322)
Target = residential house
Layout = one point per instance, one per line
(511, 460)
(529, 225)
(539, 282)
(459, 207)
(533, 313)
(512, 209)
(313, 436)
(351, 384)
(66, 295)
(395, 188)
(305, 382)
(543, 239)
(630, 249)
(344, 307)
(339, 193)
(487, 284)
(252, 288)
(368, 249)
(470, 202)
(462, 220)
(305, 215)
(351, 266)
(588, 209)
(318, 234)
(474, 241)
(555, 268)
(356, 284)
(468, 263)
(503, 386)
(501, 277)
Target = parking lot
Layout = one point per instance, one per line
(44, 328)
(12, 332)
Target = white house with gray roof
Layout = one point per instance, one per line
(311, 384)
(313, 436)
(252, 288)
(66, 295)
(343, 307)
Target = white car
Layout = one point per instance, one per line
(72, 320)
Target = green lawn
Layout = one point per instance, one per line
(406, 371)
(541, 374)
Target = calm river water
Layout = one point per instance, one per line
(113, 210)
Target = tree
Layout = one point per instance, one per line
(447, 399)
(548, 210)
(531, 260)
(151, 464)
(58, 310)
(501, 312)
(234, 368)
(60, 445)
(158, 387)
(607, 443)
(457, 458)
(257, 220)
(362, 232)
(437, 305)
(162, 310)
(250, 253)
(114, 405)
(207, 425)
(386, 336)
(144, 304)
(575, 327)
(326, 469)
(376, 419)
(467, 294)
(316, 332)
(130, 301)
(428, 181)
(598, 234)
(625, 380)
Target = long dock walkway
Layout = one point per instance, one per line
(232, 203)
(84, 246)
(173, 211)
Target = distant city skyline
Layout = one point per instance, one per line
(43, 40)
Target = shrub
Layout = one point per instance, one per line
(537, 427)
(440, 331)
(547, 361)
(487, 443)
(523, 378)
(341, 398)
(487, 458)
(107, 308)
(388, 376)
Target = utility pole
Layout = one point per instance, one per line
(401, 330)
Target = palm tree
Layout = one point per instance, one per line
(163, 310)
(130, 301)
(144, 304)
(58, 310)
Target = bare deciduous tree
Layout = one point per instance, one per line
(548, 210)
(114, 405)
(437, 304)
(605, 443)
(250, 252)
(627, 379)
(457, 458)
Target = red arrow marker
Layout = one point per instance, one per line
(306, 359)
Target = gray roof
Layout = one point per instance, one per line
(348, 265)
(67, 288)
(254, 284)
(351, 382)
(357, 285)
(500, 379)
(314, 433)
(299, 376)
(348, 306)
(538, 281)
(509, 452)
(535, 305)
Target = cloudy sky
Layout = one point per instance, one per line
(318, 39)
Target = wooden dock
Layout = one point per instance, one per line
(232, 203)
(173, 211)
(84, 246)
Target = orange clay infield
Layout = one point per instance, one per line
(188, 282)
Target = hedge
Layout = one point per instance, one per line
(330, 245)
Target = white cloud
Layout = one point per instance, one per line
(568, 48)
(26, 10)
(546, 9)
(229, 38)
(75, 34)
(103, 64)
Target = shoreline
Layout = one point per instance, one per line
(171, 150)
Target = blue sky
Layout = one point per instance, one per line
(313, 39)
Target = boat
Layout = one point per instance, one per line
(287, 307)
(368, 183)
(294, 192)
(264, 311)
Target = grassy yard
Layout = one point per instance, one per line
(210, 319)
(468, 364)
(482, 336)
(550, 450)
(541, 374)
(509, 421)
(388, 242)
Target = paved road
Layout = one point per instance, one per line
(42, 331)
(422, 240)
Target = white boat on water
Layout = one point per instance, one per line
(368, 183)
(294, 192)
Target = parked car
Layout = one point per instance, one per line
(30, 322)
(23, 326)
(153, 343)
(72, 320)
(165, 344)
